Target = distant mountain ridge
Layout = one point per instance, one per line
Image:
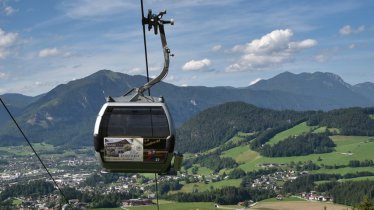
(320, 86)
(66, 114)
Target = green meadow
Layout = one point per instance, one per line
(347, 148)
(26, 150)
(172, 206)
(294, 131)
(191, 187)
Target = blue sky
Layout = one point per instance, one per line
(44, 43)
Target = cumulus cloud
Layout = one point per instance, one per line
(8, 10)
(193, 65)
(351, 46)
(6, 40)
(216, 48)
(49, 52)
(276, 47)
(326, 55)
(348, 30)
(94, 8)
(3, 75)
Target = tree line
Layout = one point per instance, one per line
(310, 143)
(226, 195)
(35, 189)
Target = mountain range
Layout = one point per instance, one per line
(66, 114)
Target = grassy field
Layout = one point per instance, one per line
(320, 130)
(286, 199)
(26, 150)
(241, 154)
(172, 206)
(346, 180)
(202, 170)
(371, 116)
(294, 131)
(343, 170)
(348, 148)
(187, 188)
(358, 179)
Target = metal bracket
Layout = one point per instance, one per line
(157, 23)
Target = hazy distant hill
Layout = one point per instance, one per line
(366, 89)
(321, 87)
(66, 114)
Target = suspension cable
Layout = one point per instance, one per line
(158, 207)
(36, 154)
(145, 45)
(149, 90)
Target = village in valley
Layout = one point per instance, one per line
(74, 171)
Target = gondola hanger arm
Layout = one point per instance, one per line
(157, 23)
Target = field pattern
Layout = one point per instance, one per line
(191, 187)
(347, 148)
(294, 131)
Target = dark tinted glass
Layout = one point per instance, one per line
(135, 121)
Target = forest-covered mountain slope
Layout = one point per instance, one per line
(217, 125)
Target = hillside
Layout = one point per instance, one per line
(216, 125)
(16, 103)
(348, 157)
(206, 131)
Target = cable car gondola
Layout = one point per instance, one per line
(134, 133)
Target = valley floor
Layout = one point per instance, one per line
(274, 205)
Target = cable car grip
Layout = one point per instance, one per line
(157, 23)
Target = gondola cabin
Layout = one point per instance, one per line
(135, 137)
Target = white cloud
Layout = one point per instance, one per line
(348, 30)
(67, 54)
(8, 10)
(326, 55)
(351, 46)
(93, 8)
(216, 48)
(3, 75)
(273, 48)
(255, 81)
(135, 70)
(193, 65)
(2, 91)
(49, 52)
(154, 68)
(6, 40)
(170, 78)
